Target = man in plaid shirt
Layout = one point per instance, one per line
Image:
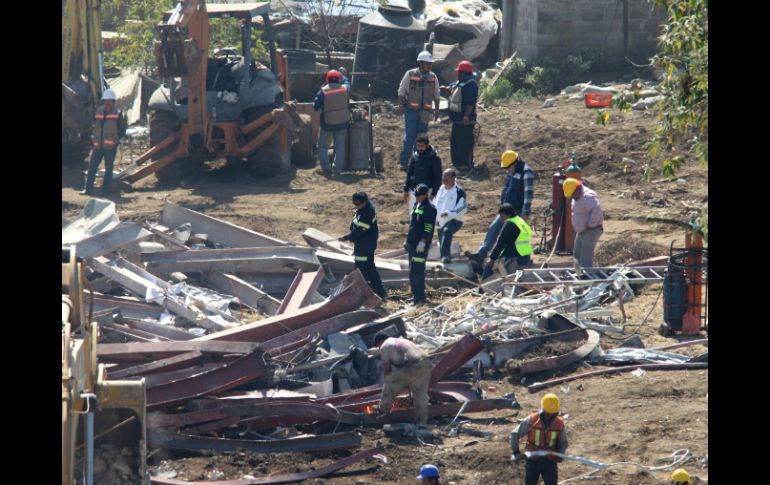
(518, 191)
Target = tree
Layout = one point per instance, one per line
(683, 58)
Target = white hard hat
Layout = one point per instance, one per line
(109, 94)
(424, 56)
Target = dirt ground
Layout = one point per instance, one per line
(611, 419)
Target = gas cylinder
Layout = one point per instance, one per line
(562, 217)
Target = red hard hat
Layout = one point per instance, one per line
(464, 66)
(333, 73)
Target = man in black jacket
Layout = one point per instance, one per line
(418, 241)
(364, 233)
(513, 247)
(424, 168)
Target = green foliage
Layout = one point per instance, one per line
(520, 79)
(683, 58)
(136, 20)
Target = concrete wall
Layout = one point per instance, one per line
(560, 27)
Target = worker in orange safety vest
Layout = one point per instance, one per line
(545, 431)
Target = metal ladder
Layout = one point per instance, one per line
(591, 276)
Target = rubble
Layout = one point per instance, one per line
(248, 342)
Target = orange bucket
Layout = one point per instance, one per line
(597, 100)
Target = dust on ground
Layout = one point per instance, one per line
(610, 419)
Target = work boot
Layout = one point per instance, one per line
(446, 260)
(475, 257)
(86, 192)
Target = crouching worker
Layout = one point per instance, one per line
(513, 248)
(404, 364)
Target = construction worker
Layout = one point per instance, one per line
(424, 168)
(587, 220)
(518, 191)
(108, 127)
(404, 364)
(429, 475)
(418, 241)
(513, 247)
(363, 234)
(451, 206)
(332, 100)
(462, 111)
(545, 431)
(680, 477)
(419, 89)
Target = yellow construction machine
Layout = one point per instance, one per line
(223, 106)
(85, 390)
(82, 81)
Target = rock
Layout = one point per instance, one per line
(126, 451)
(121, 466)
(169, 474)
(549, 103)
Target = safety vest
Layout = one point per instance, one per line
(422, 87)
(523, 247)
(456, 99)
(544, 438)
(105, 129)
(335, 111)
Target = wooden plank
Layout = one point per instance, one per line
(112, 240)
(246, 293)
(224, 233)
(171, 363)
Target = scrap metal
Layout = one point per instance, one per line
(148, 351)
(557, 362)
(355, 294)
(239, 260)
(301, 291)
(615, 370)
(211, 382)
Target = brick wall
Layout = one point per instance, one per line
(561, 27)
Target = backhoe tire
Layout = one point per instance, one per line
(302, 152)
(163, 124)
(268, 160)
(379, 162)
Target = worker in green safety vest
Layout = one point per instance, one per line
(513, 247)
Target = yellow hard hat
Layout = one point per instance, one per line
(570, 185)
(550, 403)
(681, 476)
(508, 158)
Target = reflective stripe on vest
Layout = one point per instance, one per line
(418, 211)
(421, 90)
(335, 110)
(542, 438)
(416, 259)
(456, 100)
(360, 258)
(105, 129)
(523, 247)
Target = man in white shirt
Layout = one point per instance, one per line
(404, 364)
(451, 206)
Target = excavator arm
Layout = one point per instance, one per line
(181, 51)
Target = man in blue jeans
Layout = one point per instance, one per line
(108, 127)
(517, 191)
(332, 100)
(419, 90)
